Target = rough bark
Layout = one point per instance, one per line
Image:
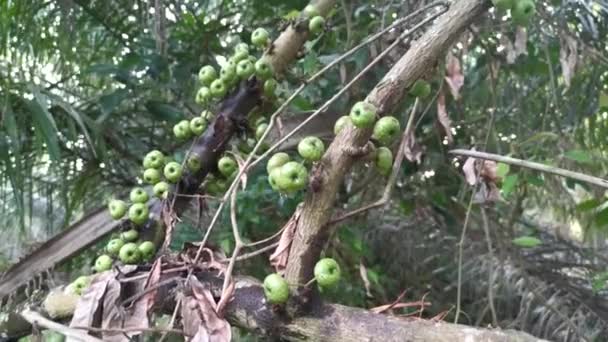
(312, 230)
(326, 322)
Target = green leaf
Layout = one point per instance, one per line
(164, 112)
(44, 125)
(601, 218)
(502, 170)
(579, 156)
(110, 101)
(508, 184)
(526, 241)
(588, 205)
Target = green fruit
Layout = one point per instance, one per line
(261, 120)
(154, 160)
(503, 5)
(198, 125)
(263, 69)
(181, 130)
(327, 272)
(276, 289)
(310, 11)
(384, 160)
(241, 47)
(277, 160)
(129, 254)
(311, 148)
(103, 263)
(420, 89)
(138, 195)
(147, 250)
(247, 145)
(173, 172)
(260, 130)
(113, 247)
(203, 96)
(260, 37)
(270, 87)
(207, 115)
(129, 235)
(152, 176)
(218, 88)
(316, 25)
(117, 208)
(341, 123)
(293, 177)
(51, 336)
(81, 283)
(138, 213)
(272, 177)
(194, 163)
(386, 130)
(207, 74)
(240, 55)
(228, 74)
(227, 166)
(161, 189)
(363, 114)
(522, 11)
(245, 69)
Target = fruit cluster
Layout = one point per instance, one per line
(521, 10)
(327, 275)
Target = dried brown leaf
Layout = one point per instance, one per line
(169, 219)
(216, 327)
(412, 150)
(568, 56)
(191, 318)
(88, 305)
(444, 119)
(149, 299)
(366, 282)
(383, 308)
(488, 192)
(279, 258)
(521, 41)
(470, 174)
(454, 77)
(489, 171)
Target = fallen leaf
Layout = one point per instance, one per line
(169, 219)
(568, 56)
(366, 282)
(454, 76)
(279, 258)
(192, 321)
(444, 119)
(149, 299)
(412, 150)
(88, 305)
(217, 328)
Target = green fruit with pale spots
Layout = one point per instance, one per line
(270, 86)
(244, 69)
(276, 289)
(523, 11)
(363, 114)
(384, 160)
(138, 213)
(193, 163)
(203, 96)
(386, 130)
(207, 115)
(154, 160)
(277, 160)
(263, 69)
(147, 250)
(161, 190)
(173, 172)
(420, 89)
(152, 176)
(113, 246)
(247, 145)
(227, 166)
(198, 125)
(293, 177)
(129, 254)
(260, 37)
(207, 74)
(218, 88)
(117, 208)
(81, 283)
(310, 11)
(241, 47)
(316, 25)
(129, 235)
(260, 129)
(311, 148)
(341, 123)
(138, 195)
(228, 74)
(240, 55)
(181, 130)
(272, 176)
(327, 272)
(103, 263)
